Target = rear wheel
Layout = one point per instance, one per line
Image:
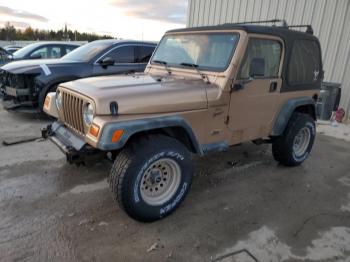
(151, 177)
(295, 144)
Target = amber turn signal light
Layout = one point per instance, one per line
(47, 102)
(94, 129)
(117, 135)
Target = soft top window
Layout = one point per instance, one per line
(264, 54)
(305, 63)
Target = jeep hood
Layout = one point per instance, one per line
(142, 94)
(33, 66)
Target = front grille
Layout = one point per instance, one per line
(73, 112)
(12, 80)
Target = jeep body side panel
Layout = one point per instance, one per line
(252, 108)
(255, 117)
(286, 112)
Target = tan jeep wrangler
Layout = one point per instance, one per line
(204, 89)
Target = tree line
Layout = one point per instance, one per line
(9, 33)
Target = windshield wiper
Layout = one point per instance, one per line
(195, 66)
(163, 63)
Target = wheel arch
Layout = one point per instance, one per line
(304, 105)
(172, 126)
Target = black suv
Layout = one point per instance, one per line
(24, 84)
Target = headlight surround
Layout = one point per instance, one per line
(88, 113)
(58, 99)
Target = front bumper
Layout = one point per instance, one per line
(16, 92)
(19, 91)
(73, 146)
(22, 107)
(16, 99)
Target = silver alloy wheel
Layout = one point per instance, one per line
(301, 142)
(160, 181)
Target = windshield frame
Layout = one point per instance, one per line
(202, 68)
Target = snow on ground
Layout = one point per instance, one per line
(337, 130)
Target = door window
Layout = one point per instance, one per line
(55, 52)
(145, 53)
(124, 54)
(263, 56)
(42, 52)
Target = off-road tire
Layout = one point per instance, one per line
(283, 147)
(130, 167)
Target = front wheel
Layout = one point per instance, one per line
(151, 177)
(295, 144)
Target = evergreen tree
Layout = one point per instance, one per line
(9, 33)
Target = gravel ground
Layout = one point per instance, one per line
(254, 210)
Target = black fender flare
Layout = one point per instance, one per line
(147, 124)
(286, 112)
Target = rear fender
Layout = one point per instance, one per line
(287, 110)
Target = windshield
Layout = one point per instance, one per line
(209, 51)
(88, 51)
(25, 50)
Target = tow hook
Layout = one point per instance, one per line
(46, 131)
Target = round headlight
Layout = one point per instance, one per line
(58, 99)
(88, 113)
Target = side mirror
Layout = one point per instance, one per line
(257, 67)
(107, 61)
(241, 84)
(36, 56)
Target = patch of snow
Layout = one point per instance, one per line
(337, 130)
(89, 187)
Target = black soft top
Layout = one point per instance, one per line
(283, 32)
(287, 35)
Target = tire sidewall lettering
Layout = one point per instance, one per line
(178, 198)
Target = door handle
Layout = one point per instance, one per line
(273, 86)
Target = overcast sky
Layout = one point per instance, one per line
(132, 19)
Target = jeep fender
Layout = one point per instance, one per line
(136, 126)
(286, 112)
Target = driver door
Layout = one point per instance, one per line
(256, 90)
